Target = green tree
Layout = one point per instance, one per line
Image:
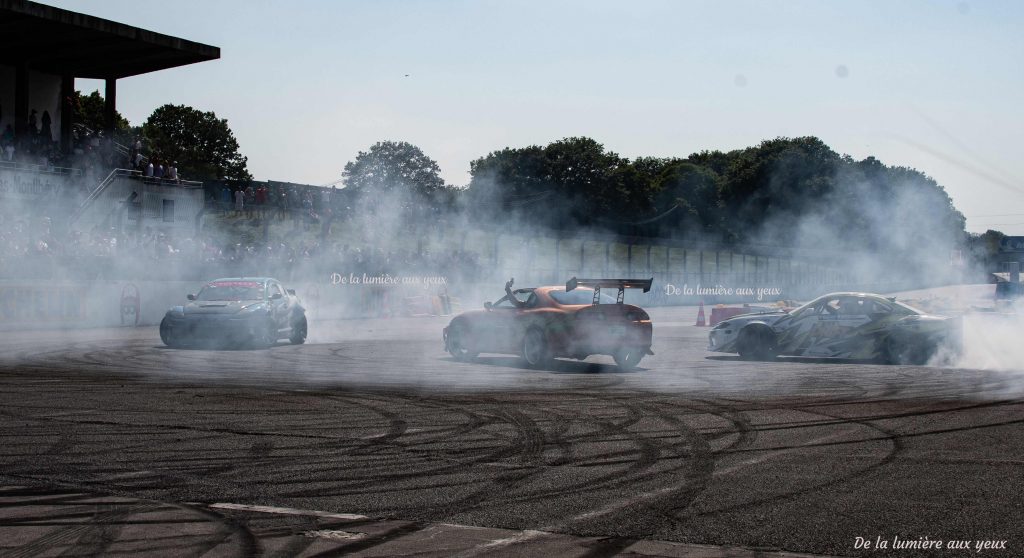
(778, 180)
(694, 190)
(201, 144)
(89, 111)
(584, 174)
(394, 165)
(510, 173)
(573, 180)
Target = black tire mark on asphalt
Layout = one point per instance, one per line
(94, 534)
(887, 435)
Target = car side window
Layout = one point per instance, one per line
(532, 300)
(853, 306)
(879, 308)
(829, 307)
(275, 288)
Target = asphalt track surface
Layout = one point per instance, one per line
(372, 418)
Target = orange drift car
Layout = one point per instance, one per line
(542, 323)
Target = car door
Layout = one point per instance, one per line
(839, 321)
(794, 332)
(499, 327)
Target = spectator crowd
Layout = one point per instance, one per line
(30, 248)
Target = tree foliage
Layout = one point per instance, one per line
(201, 144)
(783, 192)
(89, 111)
(394, 165)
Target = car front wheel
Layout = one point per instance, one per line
(167, 335)
(299, 331)
(458, 345)
(265, 335)
(756, 343)
(535, 348)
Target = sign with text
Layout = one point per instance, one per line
(758, 293)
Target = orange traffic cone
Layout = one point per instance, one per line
(700, 316)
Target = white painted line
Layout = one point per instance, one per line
(287, 511)
(622, 504)
(334, 535)
(493, 546)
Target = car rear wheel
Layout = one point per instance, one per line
(168, 336)
(907, 352)
(628, 357)
(299, 331)
(535, 348)
(756, 343)
(458, 345)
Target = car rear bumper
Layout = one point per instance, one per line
(609, 339)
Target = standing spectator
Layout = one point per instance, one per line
(250, 201)
(159, 171)
(172, 171)
(225, 199)
(282, 206)
(46, 132)
(149, 170)
(261, 200)
(325, 199)
(239, 202)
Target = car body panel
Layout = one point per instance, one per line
(245, 310)
(570, 330)
(842, 325)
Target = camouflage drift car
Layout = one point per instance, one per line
(236, 311)
(840, 325)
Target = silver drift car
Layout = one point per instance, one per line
(234, 311)
(857, 326)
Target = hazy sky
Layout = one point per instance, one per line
(306, 85)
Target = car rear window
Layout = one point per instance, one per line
(579, 296)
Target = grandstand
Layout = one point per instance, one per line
(79, 182)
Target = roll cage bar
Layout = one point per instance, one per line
(620, 284)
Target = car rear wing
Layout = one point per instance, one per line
(620, 284)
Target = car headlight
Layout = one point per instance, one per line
(176, 312)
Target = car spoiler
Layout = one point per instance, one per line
(620, 284)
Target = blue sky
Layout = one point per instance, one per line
(306, 85)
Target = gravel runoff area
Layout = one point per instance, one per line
(369, 440)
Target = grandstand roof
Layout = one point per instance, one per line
(60, 41)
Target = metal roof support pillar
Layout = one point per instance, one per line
(21, 102)
(67, 111)
(110, 108)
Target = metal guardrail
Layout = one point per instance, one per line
(121, 148)
(103, 185)
(168, 182)
(131, 174)
(45, 169)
